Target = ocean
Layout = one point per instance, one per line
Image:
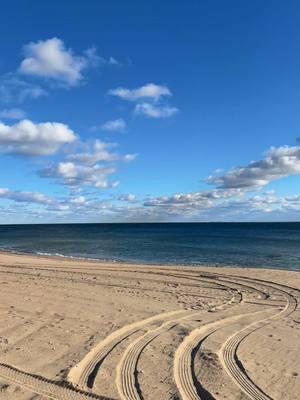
(269, 245)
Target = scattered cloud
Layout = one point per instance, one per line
(230, 199)
(150, 90)
(277, 163)
(113, 61)
(182, 207)
(154, 111)
(50, 59)
(12, 113)
(25, 197)
(195, 200)
(98, 151)
(151, 108)
(92, 59)
(228, 206)
(82, 167)
(116, 125)
(127, 197)
(71, 174)
(13, 89)
(34, 139)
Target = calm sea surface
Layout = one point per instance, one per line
(275, 245)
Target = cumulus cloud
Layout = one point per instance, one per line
(150, 90)
(259, 206)
(230, 199)
(25, 197)
(99, 151)
(93, 164)
(127, 197)
(70, 174)
(13, 89)
(219, 206)
(154, 111)
(51, 59)
(82, 168)
(181, 207)
(277, 163)
(117, 125)
(34, 139)
(152, 107)
(191, 199)
(12, 113)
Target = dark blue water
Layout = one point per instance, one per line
(274, 245)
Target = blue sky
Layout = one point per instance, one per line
(149, 111)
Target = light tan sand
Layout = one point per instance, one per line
(69, 328)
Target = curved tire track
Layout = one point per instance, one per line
(82, 375)
(83, 372)
(184, 356)
(43, 386)
(126, 381)
(229, 358)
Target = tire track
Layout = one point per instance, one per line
(83, 372)
(43, 386)
(188, 387)
(229, 358)
(126, 370)
(126, 381)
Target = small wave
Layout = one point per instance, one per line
(47, 254)
(40, 253)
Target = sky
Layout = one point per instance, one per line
(133, 111)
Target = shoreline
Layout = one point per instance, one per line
(99, 261)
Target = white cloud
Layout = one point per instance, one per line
(79, 200)
(278, 162)
(34, 139)
(16, 90)
(12, 113)
(117, 125)
(219, 205)
(99, 151)
(113, 61)
(150, 90)
(196, 200)
(82, 168)
(153, 93)
(92, 59)
(25, 197)
(70, 174)
(127, 197)
(231, 200)
(198, 206)
(154, 111)
(52, 60)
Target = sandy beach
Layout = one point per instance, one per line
(72, 328)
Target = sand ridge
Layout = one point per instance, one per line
(75, 329)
